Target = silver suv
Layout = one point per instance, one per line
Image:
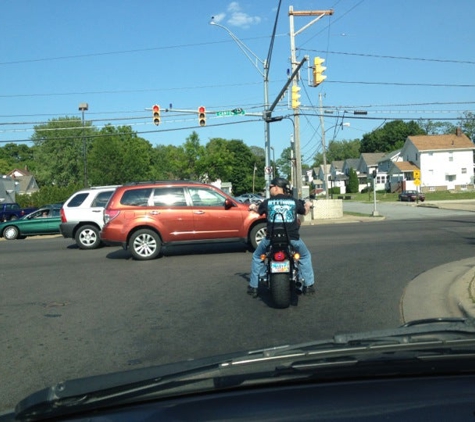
(82, 216)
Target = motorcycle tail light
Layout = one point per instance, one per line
(279, 256)
(296, 256)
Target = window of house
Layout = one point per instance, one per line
(464, 171)
(450, 177)
(451, 156)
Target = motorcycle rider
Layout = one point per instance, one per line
(280, 194)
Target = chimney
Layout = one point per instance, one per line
(458, 131)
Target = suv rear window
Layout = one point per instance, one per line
(78, 199)
(136, 197)
(101, 199)
(166, 197)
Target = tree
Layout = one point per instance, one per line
(339, 151)
(217, 161)
(243, 168)
(353, 184)
(436, 128)
(118, 156)
(390, 137)
(16, 156)
(59, 150)
(284, 163)
(467, 124)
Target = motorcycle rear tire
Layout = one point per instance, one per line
(280, 290)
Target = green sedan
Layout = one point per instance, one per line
(45, 220)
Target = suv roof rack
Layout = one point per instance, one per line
(156, 182)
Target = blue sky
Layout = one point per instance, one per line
(394, 59)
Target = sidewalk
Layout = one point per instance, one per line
(444, 291)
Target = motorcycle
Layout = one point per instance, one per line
(282, 268)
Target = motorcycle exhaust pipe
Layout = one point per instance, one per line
(299, 287)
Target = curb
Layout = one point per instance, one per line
(464, 291)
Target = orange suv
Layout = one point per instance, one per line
(146, 215)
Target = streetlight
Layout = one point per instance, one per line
(265, 74)
(82, 108)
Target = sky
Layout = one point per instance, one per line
(404, 59)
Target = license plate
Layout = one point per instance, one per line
(280, 267)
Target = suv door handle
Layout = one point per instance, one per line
(198, 212)
(154, 212)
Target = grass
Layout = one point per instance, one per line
(430, 196)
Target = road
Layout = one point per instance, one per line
(67, 313)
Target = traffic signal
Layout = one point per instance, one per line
(202, 116)
(318, 69)
(295, 96)
(156, 114)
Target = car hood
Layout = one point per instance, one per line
(420, 347)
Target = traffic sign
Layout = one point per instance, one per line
(417, 182)
(416, 174)
(234, 112)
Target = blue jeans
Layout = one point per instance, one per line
(258, 267)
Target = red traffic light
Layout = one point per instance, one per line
(202, 116)
(156, 114)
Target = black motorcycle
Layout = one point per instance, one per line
(282, 271)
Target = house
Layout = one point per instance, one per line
(401, 176)
(337, 178)
(369, 166)
(26, 182)
(445, 161)
(354, 163)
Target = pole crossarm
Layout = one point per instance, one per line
(319, 13)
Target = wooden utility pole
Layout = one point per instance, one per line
(298, 156)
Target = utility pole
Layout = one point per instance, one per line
(324, 148)
(298, 156)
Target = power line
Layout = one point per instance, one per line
(380, 56)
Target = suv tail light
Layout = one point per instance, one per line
(63, 216)
(109, 215)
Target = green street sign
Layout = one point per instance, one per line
(234, 112)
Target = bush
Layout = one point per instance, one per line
(47, 195)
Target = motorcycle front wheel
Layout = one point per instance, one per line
(280, 290)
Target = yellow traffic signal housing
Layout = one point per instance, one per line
(295, 97)
(156, 114)
(318, 69)
(202, 116)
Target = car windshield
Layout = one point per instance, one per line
(256, 180)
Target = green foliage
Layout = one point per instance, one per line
(353, 185)
(59, 151)
(118, 156)
(390, 137)
(48, 195)
(339, 151)
(335, 190)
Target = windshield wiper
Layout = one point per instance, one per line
(416, 341)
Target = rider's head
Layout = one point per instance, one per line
(281, 186)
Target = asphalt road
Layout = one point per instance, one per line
(67, 313)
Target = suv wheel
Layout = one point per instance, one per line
(87, 237)
(145, 244)
(258, 233)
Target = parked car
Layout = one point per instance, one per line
(144, 216)
(411, 196)
(250, 198)
(13, 211)
(82, 215)
(45, 220)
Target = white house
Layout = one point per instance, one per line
(445, 161)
